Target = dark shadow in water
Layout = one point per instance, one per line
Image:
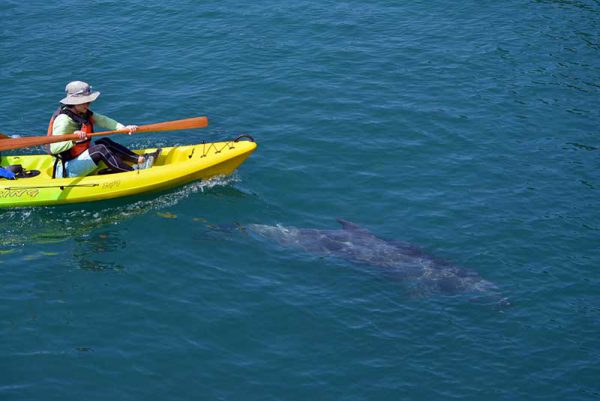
(417, 272)
(581, 146)
(89, 263)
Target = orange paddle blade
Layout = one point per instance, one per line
(19, 143)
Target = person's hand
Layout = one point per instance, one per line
(131, 128)
(82, 135)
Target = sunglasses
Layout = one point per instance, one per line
(83, 92)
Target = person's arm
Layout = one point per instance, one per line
(111, 124)
(63, 124)
(106, 122)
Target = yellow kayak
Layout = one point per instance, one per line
(174, 167)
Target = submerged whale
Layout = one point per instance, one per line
(422, 273)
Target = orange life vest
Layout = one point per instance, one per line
(85, 123)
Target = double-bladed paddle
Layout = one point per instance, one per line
(7, 143)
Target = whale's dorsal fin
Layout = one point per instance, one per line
(346, 225)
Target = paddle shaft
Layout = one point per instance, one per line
(19, 143)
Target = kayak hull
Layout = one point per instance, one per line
(174, 167)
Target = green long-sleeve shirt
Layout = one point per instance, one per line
(63, 124)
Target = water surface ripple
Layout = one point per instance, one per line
(470, 129)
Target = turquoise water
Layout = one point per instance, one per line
(468, 128)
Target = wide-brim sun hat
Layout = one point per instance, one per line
(79, 92)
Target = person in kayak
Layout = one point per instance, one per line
(81, 157)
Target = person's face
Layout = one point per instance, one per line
(81, 108)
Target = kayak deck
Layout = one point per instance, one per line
(174, 167)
